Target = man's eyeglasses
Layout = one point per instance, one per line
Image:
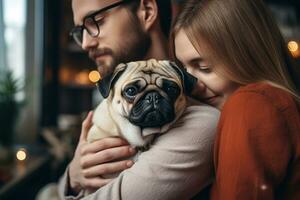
(91, 23)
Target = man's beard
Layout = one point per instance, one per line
(133, 48)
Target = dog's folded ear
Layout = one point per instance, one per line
(189, 81)
(105, 84)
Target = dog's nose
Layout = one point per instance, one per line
(153, 97)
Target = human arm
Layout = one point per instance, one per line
(177, 166)
(252, 149)
(90, 161)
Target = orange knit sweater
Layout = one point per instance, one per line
(257, 148)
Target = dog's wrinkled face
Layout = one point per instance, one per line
(153, 98)
(142, 99)
(149, 94)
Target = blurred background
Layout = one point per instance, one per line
(47, 87)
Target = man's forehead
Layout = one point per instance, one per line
(82, 8)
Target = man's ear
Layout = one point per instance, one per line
(105, 84)
(147, 13)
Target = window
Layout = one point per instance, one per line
(12, 31)
(14, 34)
(2, 49)
(21, 50)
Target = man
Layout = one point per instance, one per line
(122, 31)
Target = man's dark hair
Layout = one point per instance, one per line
(164, 13)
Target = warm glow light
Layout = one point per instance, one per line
(94, 76)
(293, 46)
(82, 77)
(21, 154)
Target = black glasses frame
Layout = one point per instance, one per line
(78, 30)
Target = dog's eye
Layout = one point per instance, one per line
(131, 91)
(172, 90)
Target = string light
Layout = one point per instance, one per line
(94, 76)
(21, 154)
(293, 46)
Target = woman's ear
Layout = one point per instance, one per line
(147, 13)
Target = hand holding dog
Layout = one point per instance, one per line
(93, 160)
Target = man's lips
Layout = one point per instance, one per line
(99, 56)
(96, 54)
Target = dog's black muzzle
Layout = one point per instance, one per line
(152, 110)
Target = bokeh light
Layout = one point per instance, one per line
(94, 76)
(21, 154)
(293, 46)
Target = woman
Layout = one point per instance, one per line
(237, 53)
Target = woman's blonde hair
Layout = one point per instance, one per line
(243, 36)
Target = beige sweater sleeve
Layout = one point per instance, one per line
(177, 166)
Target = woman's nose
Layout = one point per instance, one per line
(88, 42)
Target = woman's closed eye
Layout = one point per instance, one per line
(201, 65)
(204, 68)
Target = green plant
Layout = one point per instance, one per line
(9, 106)
(9, 85)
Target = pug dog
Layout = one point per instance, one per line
(142, 99)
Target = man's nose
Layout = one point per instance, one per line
(88, 42)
